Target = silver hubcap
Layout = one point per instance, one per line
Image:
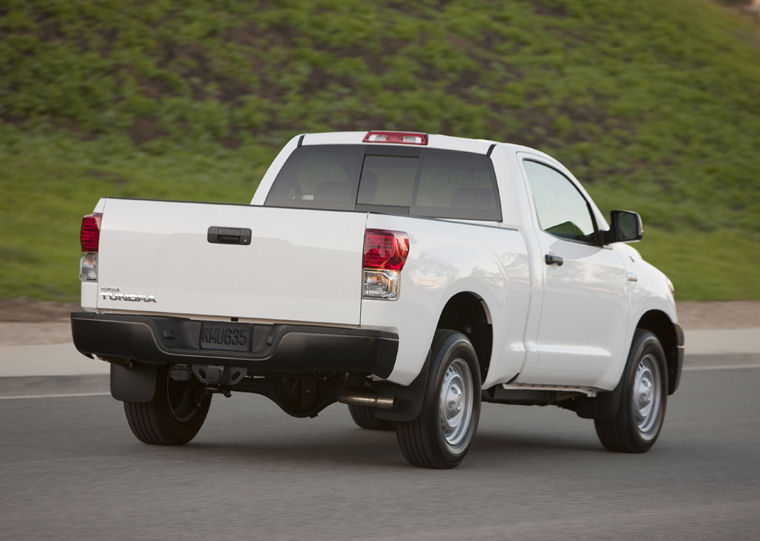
(646, 396)
(455, 403)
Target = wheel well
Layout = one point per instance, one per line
(659, 323)
(466, 313)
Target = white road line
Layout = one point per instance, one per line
(22, 396)
(720, 367)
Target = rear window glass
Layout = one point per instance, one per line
(457, 185)
(418, 182)
(388, 180)
(318, 177)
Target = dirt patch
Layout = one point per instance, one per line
(719, 315)
(26, 322)
(14, 333)
(32, 311)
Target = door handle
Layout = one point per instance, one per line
(229, 235)
(552, 259)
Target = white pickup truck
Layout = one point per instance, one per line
(410, 276)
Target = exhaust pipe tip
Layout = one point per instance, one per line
(369, 401)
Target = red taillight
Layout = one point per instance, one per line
(89, 236)
(397, 137)
(385, 249)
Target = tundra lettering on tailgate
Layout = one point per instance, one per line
(113, 293)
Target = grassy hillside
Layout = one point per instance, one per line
(652, 104)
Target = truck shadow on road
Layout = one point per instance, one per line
(349, 450)
(352, 448)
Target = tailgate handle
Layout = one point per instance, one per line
(229, 235)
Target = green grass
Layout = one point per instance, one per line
(63, 180)
(714, 266)
(653, 105)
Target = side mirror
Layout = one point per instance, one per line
(626, 226)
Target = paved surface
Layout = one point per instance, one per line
(71, 469)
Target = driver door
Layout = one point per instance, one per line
(584, 309)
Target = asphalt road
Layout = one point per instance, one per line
(70, 469)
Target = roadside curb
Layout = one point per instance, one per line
(744, 341)
(699, 361)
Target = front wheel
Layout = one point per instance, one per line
(442, 434)
(174, 416)
(641, 412)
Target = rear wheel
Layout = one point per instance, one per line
(174, 416)
(442, 434)
(365, 417)
(639, 418)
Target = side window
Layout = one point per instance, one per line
(561, 209)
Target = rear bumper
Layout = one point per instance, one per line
(157, 340)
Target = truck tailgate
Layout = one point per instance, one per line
(299, 265)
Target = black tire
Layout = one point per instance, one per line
(439, 437)
(174, 416)
(641, 412)
(365, 417)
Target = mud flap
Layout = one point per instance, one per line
(408, 399)
(601, 408)
(136, 384)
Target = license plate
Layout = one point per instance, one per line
(226, 336)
